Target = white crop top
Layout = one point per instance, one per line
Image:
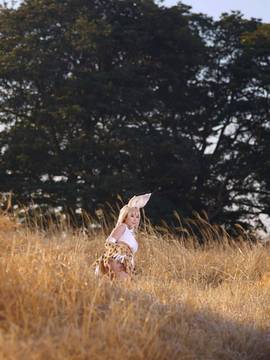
(127, 238)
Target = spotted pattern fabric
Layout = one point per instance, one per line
(119, 252)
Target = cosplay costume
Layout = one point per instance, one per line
(119, 251)
(123, 249)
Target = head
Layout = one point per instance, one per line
(129, 216)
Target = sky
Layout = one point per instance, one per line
(250, 8)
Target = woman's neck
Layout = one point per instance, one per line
(129, 227)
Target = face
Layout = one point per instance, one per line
(133, 218)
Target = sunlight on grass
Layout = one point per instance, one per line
(187, 302)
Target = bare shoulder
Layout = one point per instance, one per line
(118, 231)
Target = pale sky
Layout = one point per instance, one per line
(250, 8)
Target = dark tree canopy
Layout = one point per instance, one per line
(100, 98)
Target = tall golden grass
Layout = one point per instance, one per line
(187, 302)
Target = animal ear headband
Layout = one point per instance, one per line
(139, 201)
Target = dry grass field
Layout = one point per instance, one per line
(188, 302)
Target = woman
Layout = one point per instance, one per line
(118, 259)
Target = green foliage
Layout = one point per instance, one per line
(101, 98)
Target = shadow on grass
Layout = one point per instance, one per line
(176, 331)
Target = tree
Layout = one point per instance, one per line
(120, 97)
(233, 110)
(84, 86)
(257, 45)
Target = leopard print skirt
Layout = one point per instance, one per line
(119, 252)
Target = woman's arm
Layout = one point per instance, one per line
(117, 233)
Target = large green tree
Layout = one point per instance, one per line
(100, 98)
(86, 91)
(257, 46)
(232, 94)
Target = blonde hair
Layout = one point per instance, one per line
(124, 211)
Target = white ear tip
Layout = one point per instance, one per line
(139, 201)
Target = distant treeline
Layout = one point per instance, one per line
(107, 97)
